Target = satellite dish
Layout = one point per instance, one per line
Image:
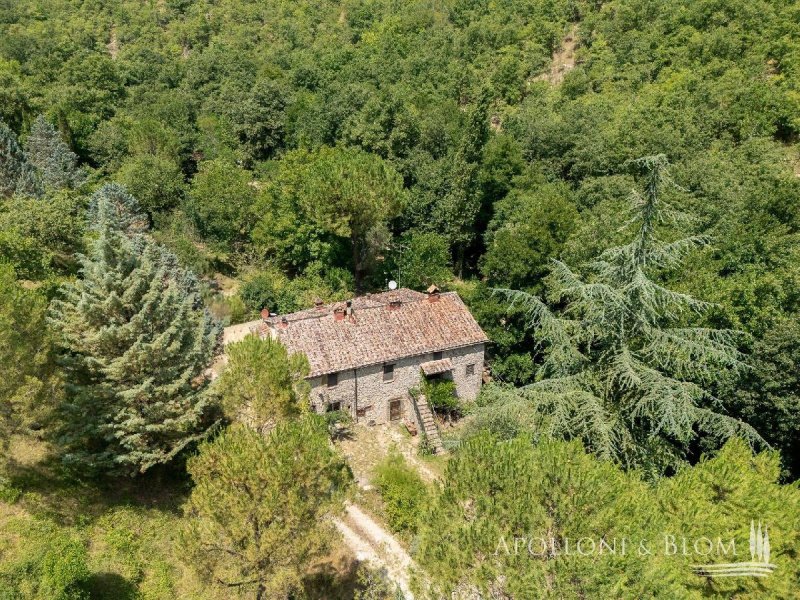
(392, 285)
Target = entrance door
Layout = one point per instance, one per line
(395, 409)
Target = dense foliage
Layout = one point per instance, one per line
(26, 353)
(317, 139)
(135, 343)
(160, 161)
(624, 367)
(262, 383)
(497, 493)
(258, 513)
(403, 492)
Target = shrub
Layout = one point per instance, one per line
(403, 492)
(262, 291)
(441, 396)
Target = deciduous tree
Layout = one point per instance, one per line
(29, 380)
(345, 194)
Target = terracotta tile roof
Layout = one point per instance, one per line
(434, 367)
(375, 331)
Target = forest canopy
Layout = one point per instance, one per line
(613, 188)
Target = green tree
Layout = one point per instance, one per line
(220, 202)
(456, 213)
(17, 175)
(259, 510)
(255, 116)
(527, 231)
(155, 181)
(262, 383)
(28, 258)
(500, 495)
(29, 380)
(135, 344)
(621, 369)
(49, 154)
(113, 208)
(346, 194)
(769, 397)
(51, 228)
(423, 258)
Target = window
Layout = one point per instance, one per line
(362, 412)
(334, 406)
(470, 370)
(388, 373)
(332, 380)
(437, 356)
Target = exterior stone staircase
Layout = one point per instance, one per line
(427, 423)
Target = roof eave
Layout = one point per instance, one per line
(313, 374)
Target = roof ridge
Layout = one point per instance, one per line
(315, 313)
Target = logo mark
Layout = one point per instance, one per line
(759, 565)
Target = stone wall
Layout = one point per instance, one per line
(366, 396)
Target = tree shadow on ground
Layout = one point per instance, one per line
(335, 579)
(110, 586)
(49, 490)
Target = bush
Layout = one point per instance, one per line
(403, 492)
(441, 396)
(273, 290)
(262, 291)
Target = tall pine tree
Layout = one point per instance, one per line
(622, 369)
(56, 163)
(136, 342)
(261, 507)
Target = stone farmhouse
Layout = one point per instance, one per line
(366, 354)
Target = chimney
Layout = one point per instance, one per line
(264, 314)
(394, 304)
(338, 313)
(433, 293)
(284, 323)
(318, 304)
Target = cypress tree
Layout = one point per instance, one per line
(45, 150)
(622, 370)
(136, 343)
(456, 213)
(17, 175)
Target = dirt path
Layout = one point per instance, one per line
(369, 445)
(368, 539)
(563, 59)
(371, 543)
